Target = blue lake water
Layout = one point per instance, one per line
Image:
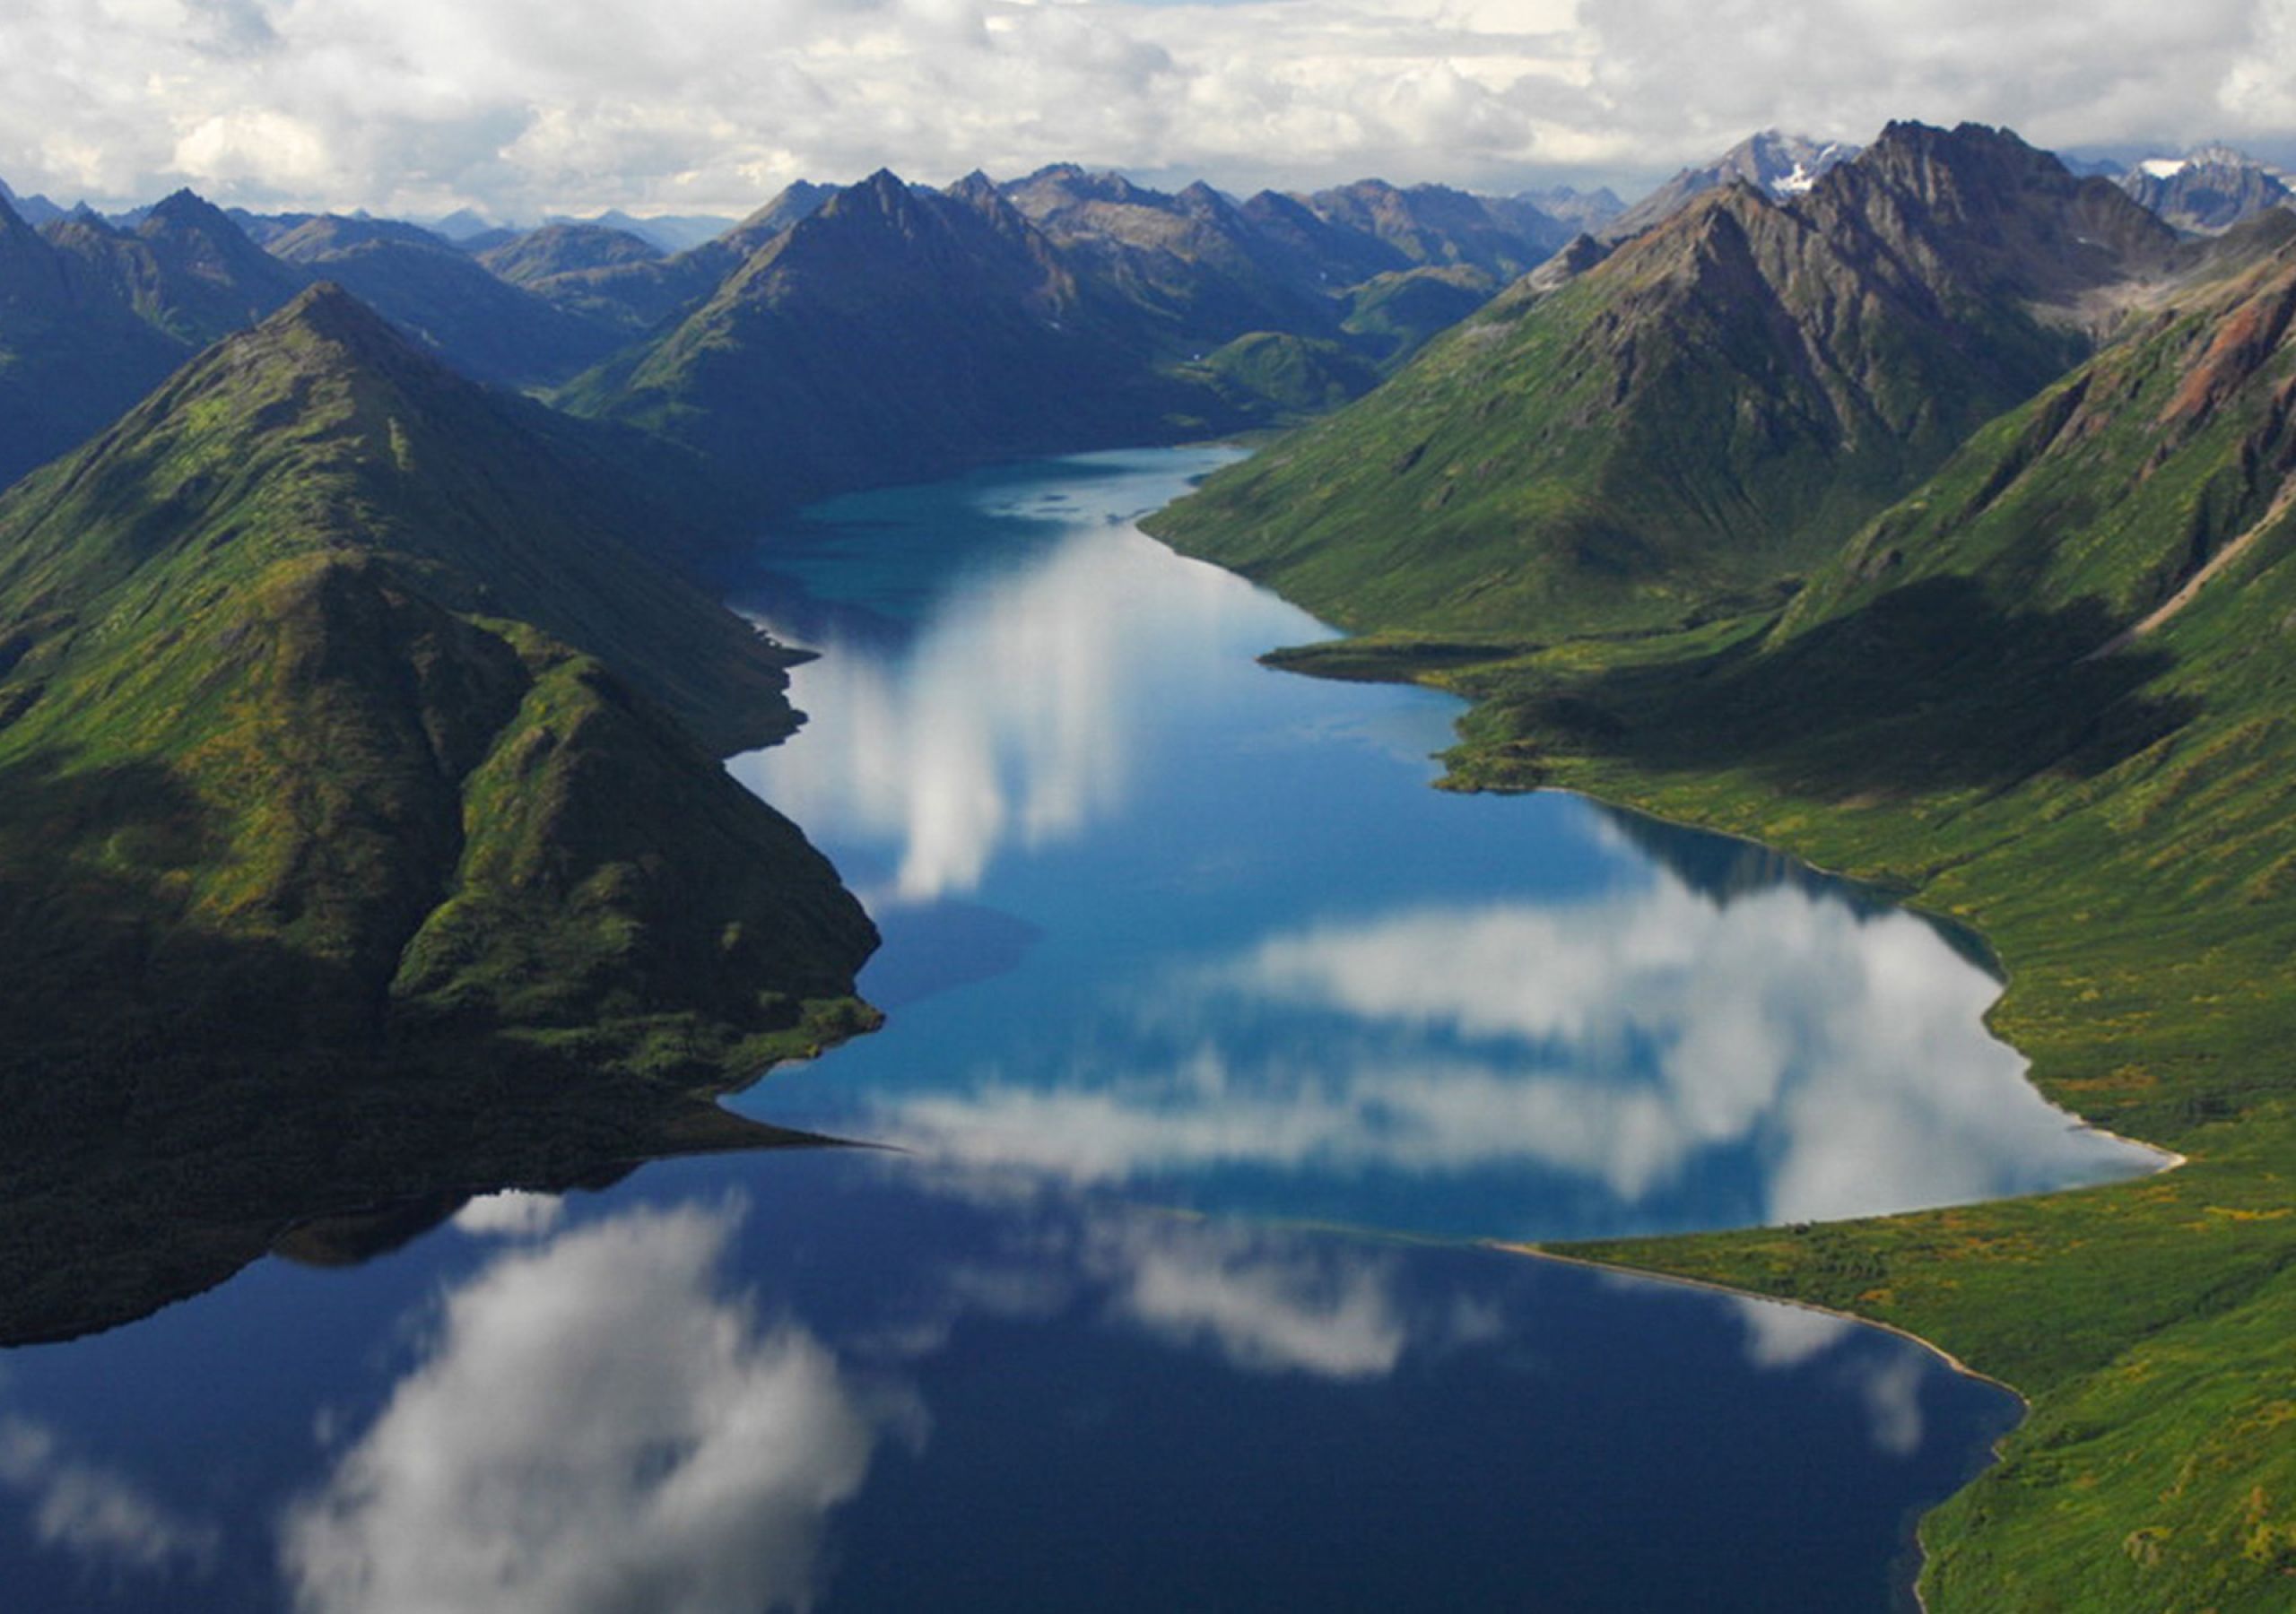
(1217, 1039)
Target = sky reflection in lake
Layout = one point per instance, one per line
(1288, 978)
(798, 1380)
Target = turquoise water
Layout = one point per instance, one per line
(1216, 1040)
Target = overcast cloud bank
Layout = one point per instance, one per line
(523, 107)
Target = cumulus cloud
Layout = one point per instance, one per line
(1624, 1041)
(594, 1428)
(1265, 1303)
(1887, 1384)
(511, 1213)
(1267, 1300)
(521, 106)
(99, 1516)
(1013, 718)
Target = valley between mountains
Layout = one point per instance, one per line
(1925, 511)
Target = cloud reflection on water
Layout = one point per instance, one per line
(1887, 1385)
(594, 1425)
(101, 1516)
(1627, 1040)
(1013, 717)
(594, 1428)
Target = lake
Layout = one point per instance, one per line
(1218, 1045)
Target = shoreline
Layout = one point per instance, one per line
(1927, 1555)
(1536, 1252)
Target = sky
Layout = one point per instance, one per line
(521, 108)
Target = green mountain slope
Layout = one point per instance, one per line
(1699, 416)
(337, 725)
(2050, 693)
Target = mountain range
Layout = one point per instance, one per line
(1935, 523)
(887, 332)
(1923, 507)
(1697, 416)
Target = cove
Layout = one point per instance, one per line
(1217, 1044)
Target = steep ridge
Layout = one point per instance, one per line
(337, 717)
(1187, 262)
(1702, 415)
(1436, 225)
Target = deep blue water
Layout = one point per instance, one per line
(1216, 1038)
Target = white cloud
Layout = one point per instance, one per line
(1265, 1300)
(98, 1515)
(1016, 716)
(594, 1428)
(1266, 1304)
(511, 1213)
(1778, 1335)
(1622, 1041)
(523, 105)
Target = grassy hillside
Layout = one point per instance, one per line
(2050, 694)
(344, 737)
(359, 772)
(1697, 418)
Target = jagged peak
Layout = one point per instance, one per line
(975, 188)
(1279, 201)
(1582, 253)
(1909, 137)
(187, 208)
(884, 185)
(883, 194)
